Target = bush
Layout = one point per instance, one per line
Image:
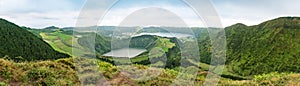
(269, 76)
(38, 73)
(68, 61)
(3, 84)
(273, 78)
(41, 76)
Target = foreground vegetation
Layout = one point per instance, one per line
(59, 72)
(62, 72)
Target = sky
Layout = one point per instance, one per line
(64, 13)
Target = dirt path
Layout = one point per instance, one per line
(121, 79)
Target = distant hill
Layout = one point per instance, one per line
(271, 46)
(16, 42)
(52, 27)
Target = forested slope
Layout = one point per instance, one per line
(270, 46)
(18, 42)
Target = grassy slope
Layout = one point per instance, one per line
(62, 42)
(55, 40)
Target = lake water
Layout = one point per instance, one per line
(133, 52)
(177, 35)
(125, 52)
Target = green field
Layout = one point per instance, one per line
(63, 43)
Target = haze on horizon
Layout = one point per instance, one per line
(64, 13)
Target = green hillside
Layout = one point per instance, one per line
(264, 48)
(18, 42)
(264, 54)
(102, 44)
(270, 46)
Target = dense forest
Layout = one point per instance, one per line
(270, 46)
(19, 44)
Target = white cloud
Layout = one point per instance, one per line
(17, 6)
(253, 12)
(39, 13)
(146, 16)
(41, 20)
(63, 13)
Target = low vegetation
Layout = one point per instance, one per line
(62, 72)
(59, 72)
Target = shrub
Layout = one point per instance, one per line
(273, 78)
(269, 76)
(3, 84)
(41, 76)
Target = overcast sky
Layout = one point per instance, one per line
(64, 13)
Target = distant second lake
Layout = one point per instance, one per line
(125, 52)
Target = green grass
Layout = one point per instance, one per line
(165, 44)
(50, 41)
(63, 37)
(63, 43)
